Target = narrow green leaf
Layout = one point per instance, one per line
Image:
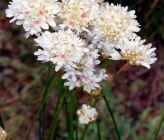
(41, 106)
(159, 128)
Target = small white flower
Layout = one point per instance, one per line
(87, 114)
(91, 80)
(34, 15)
(135, 53)
(105, 48)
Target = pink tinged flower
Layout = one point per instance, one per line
(84, 77)
(27, 12)
(33, 15)
(41, 13)
(61, 53)
(71, 23)
(83, 16)
(73, 14)
(63, 56)
(37, 22)
(65, 41)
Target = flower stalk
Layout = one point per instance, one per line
(159, 127)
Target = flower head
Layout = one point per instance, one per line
(115, 23)
(85, 74)
(63, 48)
(78, 14)
(34, 15)
(87, 114)
(135, 53)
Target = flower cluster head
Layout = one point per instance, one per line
(34, 15)
(79, 14)
(83, 33)
(87, 114)
(135, 53)
(3, 134)
(115, 23)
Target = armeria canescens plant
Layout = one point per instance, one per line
(76, 36)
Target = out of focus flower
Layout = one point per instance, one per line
(135, 53)
(87, 114)
(3, 134)
(79, 14)
(115, 23)
(34, 15)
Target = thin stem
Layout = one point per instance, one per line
(106, 89)
(113, 119)
(84, 132)
(54, 118)
(71, 117)
(67, 117)
(160, 125)
(55, 122)
(41, 106)
(93, 102)
(1, 122)
(57, 116)
(110, 83)
(76, 106)
(42, 117)
(98, 130)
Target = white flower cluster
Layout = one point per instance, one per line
(79, 14)
(115, 23)
(135, 53)
(33, 14)
(87, 114)
(84, 33)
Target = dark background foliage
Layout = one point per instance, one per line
(137, 95)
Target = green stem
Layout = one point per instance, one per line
(41, 106)
(98, 130)
(160, 125)
(57, 116)
(54, 118)
(67, 117)
(110, 83)
(106, 89)
(76, 106)
(42, 117)
(84, 132)
(113, 119)
(1, 122)
(71, 117)
(55, 122)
